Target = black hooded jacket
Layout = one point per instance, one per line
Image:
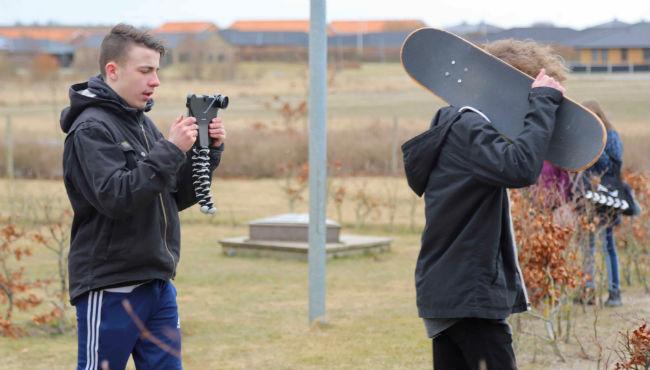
(467, 266)
(126, 184)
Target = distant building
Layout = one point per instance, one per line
(472, 32)
(619, 48)
(280, 40)
(202, 50)
(86, 54)
(549, 35)
(47, 46)
(370, 40)
(197, 50)
(24, 52)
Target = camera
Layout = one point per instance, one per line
(204, 108)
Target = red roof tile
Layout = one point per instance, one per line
(186, 27)
(375, 26)
(272, 26)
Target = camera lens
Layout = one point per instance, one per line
(222, 101)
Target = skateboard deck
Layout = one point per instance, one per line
(464, 75)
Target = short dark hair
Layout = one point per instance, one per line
(116, 44)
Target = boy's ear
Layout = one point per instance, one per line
(111, 70)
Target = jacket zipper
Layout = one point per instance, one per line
(162, 205)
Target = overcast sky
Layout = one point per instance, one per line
(438, 13)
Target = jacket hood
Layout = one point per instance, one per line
(95, 92)
(421, 152)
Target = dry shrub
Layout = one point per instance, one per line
(550, 267)
(632, 235)
(34, 159)
(17, 291)
(634, 349)
(255, 151)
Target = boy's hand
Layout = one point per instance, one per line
(183, 132)
(544, 80)
(217, 132)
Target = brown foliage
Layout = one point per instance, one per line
(635, 349)
(16, 290)
(549, 266)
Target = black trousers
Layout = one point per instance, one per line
(474, 344)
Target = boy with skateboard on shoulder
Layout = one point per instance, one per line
(468, 279)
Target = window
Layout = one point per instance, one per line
(594, 55)
(604, 52)
(646, 54)
(623, 55)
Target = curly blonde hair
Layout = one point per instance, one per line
(529, 57)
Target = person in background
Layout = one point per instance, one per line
(609, 163)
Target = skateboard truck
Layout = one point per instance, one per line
(204, 108)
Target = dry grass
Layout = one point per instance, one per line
(248, 313)
(252, 313)
(362, 106)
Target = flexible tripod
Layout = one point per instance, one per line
(204, 108)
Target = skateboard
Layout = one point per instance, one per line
(462, 74)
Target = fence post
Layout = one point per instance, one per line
(9, 149)
(394, 148)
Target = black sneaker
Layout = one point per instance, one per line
(614, 299)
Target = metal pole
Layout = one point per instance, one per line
(317, 159)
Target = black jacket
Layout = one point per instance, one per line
(467, 266)
(126, 184)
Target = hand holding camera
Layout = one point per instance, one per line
(183, 133)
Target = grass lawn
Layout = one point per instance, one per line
(251, 313)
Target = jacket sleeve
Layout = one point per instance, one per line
(611, 156)
(499, 161)
(185, 196)
(110, 186)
